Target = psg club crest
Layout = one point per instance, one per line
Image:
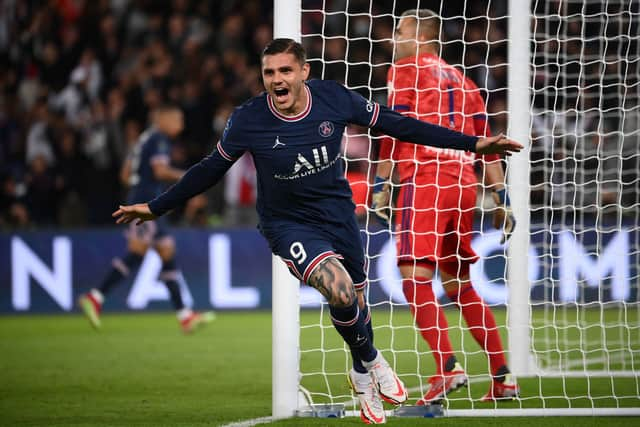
(326, 129)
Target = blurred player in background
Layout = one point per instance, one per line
(437, 200)
(147, 170)
(294, 132)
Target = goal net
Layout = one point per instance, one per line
(573, 335)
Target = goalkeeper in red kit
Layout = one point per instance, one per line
(436, 203)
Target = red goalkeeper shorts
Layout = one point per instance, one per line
(434, 220)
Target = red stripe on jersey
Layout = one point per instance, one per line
(305, 112)
(313, 264)
(376, 113)
(224, 153)
(292, 268)
(360, 286)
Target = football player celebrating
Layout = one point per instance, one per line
(146, 171)
(293, 131)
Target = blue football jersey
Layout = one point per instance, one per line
(152, 146)
(298, 158)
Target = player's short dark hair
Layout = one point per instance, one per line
(427, 22)
(286, 46)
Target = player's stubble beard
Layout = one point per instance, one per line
(298, 99)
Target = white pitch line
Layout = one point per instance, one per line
(264, 420)
(251, 422)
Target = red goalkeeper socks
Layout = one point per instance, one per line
(429, 318)
(481, 323)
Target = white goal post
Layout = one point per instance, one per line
(285, 288)
(518, 105)
(570, 283)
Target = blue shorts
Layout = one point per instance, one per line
(303, 246)
(149, 231)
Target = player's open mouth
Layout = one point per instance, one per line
(281, 94)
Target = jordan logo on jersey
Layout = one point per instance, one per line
(278, 143)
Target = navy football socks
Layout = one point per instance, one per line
(365, 313)
(169, 276)
(121, 268)
(349, 323)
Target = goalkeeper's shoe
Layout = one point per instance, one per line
(91, 308)
(506, 390)
(389, 386)
(371, 407)
(443, 384)
(196, 320)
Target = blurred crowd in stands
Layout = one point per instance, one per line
(585, 90)
(585, 154)
(78, 78)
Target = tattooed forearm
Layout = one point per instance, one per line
(333, 282)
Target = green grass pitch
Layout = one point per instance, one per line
(139, 370)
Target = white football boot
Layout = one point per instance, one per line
(371, 408)
(389, 386)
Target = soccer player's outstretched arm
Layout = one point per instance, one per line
(408, 129)
(412, 130)
(197, 179)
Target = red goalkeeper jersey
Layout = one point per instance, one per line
(429, 89)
